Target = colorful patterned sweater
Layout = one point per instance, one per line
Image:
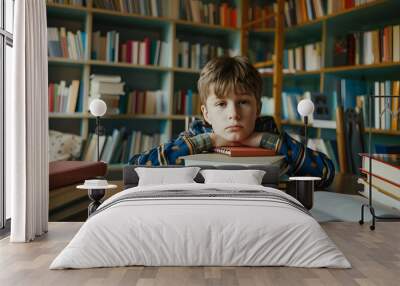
(299, 161)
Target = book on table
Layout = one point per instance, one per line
(384, 166)
(242, 151)
(384, 176)
(216, 159)
(379, 195)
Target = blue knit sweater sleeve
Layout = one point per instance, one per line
(300, 161)
(169, 153)
(193, 141)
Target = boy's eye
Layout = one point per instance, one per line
(220, 104)
(242, 102)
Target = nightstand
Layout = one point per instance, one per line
(302, 188)
(95, 194)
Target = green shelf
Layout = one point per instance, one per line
(67, 11)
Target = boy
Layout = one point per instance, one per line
(230, 93)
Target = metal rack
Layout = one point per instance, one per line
(369, 204)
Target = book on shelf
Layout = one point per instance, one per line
(244, 151)
(149, 102)
(101, 87)
(90, 153)
(384, 166)
(196, 55)
(298, 12)
(141, 52)
(388, 188)
(368, 47)
(186, 102)
(340, 51)
(106, 78)
(67, 2)
(256, 11)
(302, 58)
(335, 6)
(120, 146)
(384, 111)
(66, 44)
(322, 117)
(346, 91)
(378, 195)
(63, 98)
(290, 99)
(189, 10)
(216, 159)
(206, 12)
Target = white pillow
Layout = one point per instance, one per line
(164, 176)
(64, 146)
(248, 177)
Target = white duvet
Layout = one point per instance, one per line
(200, 231)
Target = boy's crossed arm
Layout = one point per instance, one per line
(300, 161)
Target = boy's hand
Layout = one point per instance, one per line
(253, 140)
(219, 141)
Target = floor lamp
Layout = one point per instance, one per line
(96, 188)
(302, 187)
(305, 108)
(98, 108)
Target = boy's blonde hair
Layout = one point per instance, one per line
(225, 74)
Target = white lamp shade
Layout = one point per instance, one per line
(305, 107)
(98, 107)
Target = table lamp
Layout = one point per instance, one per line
(305, 108)
(98, 108)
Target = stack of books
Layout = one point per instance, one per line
(243, 151)
(235, 155)
(108, 88)
(385, 175)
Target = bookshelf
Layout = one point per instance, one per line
(366, 17)
(241, 39)
(168, 77)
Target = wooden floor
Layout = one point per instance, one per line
(374, 255)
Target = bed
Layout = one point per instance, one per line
(201, 224)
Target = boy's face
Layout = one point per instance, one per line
(232, 117)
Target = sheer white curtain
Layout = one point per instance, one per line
(27, 124)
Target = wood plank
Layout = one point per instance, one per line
(374, 255)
